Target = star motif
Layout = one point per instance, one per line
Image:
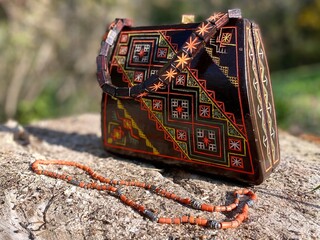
(170, 74)
(191, 45)
(155, 87)
(182, 60)
(206, 141)
(203, 29)
(143, 94)
(157, 104)
(235, 144)
(181, 135)
(204, 111)
(117, 133)
(180, 80)
(138, 77)
(226, 38)
(215, 17)
(179, 109)
(237, 162)
(162, 52)
(141, 53)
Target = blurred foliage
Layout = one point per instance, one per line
(48, 50)
(297, 98)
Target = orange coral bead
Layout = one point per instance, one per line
(176, 221)
(225, 225)
(233, 206)
(173, 196)
(201, 221)
(191, 220)
(217, 209)
(185, 219)
(241, 217)
(165, 220)
(235, 224)
(206, 207)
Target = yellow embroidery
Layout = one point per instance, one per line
(183, 60)
(170, 74)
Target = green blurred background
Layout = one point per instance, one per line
(48, 50)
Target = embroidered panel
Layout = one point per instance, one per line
(210, 114)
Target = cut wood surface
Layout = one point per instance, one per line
(38, 207)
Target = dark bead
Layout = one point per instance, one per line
(74, 182)
(149, 214)
(153, 188)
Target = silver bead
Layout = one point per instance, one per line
(213, 224)
(195, 204)
(250, 203)
(119, 192)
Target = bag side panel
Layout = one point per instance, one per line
(268, 94)
(261, 100)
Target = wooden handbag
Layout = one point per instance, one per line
(195, 95)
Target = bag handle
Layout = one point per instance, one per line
(178, 63)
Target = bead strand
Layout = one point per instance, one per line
(109, 185)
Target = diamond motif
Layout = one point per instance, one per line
(180, 109)
(206, 140)
(141, 53)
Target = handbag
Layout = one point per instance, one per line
(196, 96)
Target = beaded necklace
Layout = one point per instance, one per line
(109, 185)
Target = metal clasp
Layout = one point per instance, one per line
(187, 18)
(234, 13)
(111, 37)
